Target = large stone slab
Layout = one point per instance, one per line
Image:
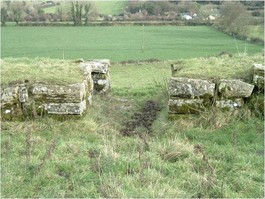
(185, 106)
(66, 108)
(258, 75)
(190, 88)
(74, 93)
(235, 89)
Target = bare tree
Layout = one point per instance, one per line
(235, 18)
(4, 16)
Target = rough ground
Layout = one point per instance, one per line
(144, 118)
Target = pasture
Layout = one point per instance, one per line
(90, 157)
(120, 43)
(216, 154)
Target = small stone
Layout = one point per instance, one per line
(229, 103)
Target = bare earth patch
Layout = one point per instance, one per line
(144, 118)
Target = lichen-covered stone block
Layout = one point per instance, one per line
(258, 75)
(10, 104)
(66, 108)
(190, 88)
(235, 89)
(97, 66)
(74, 93)
(185, 106)
(229, 103)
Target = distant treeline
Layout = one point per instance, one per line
(80, 12)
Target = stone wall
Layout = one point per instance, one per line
(195, 95)
(30, 100)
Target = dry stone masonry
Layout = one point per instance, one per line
(258, 77)
(99, 70)
(23, 100)
(188, 96)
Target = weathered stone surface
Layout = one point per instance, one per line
(23, 93)
(258, 76)
(59, 94)
(185, 106)
(190, 88)
(66, 108)
(38, 99)
(100, 74)
(229, 103)
(101, 82)
(10, 105)
(98, 66)
(89, 83)
(234, 88)
(9, 95)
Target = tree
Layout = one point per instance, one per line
(17, 11)
(235, 18)
(87, 10)
(4, 16)
(76, 11)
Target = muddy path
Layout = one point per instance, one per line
(143, 118)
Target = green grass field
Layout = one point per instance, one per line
(107, 7)
(120, 43)
(89, 157)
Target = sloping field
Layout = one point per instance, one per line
(107, 7)
(110, 7)
(120, 43)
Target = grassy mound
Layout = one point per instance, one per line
(40, 70)
(224, 67)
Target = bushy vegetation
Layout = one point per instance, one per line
(120, 43)
(213, 155)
